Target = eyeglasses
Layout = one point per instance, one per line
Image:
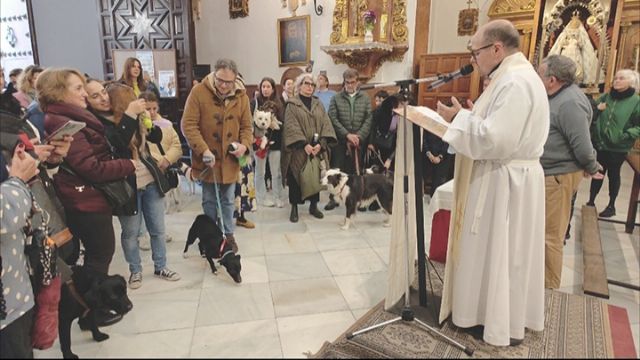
(475, 52)
(309, 83)
(225, 82)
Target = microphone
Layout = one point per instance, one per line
(465, 70)
(400, 82)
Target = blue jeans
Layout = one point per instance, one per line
(276, 177)
(151, 206)
(227, 197)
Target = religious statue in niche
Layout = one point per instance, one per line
(357, 9)
(574, 43)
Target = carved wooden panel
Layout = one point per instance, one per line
(150, 24)
(462, 88)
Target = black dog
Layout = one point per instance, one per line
(88, 293)
(213, 245)
(359, 191)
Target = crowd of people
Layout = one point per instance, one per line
(521, 151)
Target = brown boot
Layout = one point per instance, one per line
(232, 241)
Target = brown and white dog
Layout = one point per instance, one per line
(359, 191)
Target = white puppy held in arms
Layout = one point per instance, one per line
(356, 191)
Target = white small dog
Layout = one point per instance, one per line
(263, 122)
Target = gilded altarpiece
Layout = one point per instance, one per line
(390, 34)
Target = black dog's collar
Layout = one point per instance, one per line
(225, 254)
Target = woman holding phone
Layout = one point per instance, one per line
(62, 96)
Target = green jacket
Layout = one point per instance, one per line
(350, 117)
(618, 125)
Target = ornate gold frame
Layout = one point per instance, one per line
(238, 8)
(467, 22)
(399, 30)
(282, 24)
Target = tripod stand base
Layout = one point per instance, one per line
(408, 316)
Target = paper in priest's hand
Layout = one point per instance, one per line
(425, 118)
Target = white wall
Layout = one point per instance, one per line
(253, 41)
(443, 31)
(67, 33)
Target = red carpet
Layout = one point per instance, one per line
(622, 338)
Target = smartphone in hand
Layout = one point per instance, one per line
(69, 128)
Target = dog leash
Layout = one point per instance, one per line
(219, 207)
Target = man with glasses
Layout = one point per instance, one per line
(217, 125)
(350, 114)
(494, 277)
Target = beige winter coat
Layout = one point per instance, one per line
(211, 123)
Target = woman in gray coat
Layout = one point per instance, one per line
(304, 117)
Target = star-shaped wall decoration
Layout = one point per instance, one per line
(142, 25)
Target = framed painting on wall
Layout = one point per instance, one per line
(294, 39)
(238, 8)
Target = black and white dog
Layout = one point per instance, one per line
(359, 191)
(213, 245)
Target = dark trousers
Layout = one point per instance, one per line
(347, 163)
(15, 339)
(95, 231)
(295, 193)
(611, 163)
(440, 173)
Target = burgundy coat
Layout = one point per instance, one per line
(90, 158)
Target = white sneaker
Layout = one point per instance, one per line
(167, 274)
(144, 242)
(268, 203)
(135, 280)
(279, 203)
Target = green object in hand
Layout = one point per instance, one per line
(243, 160)
(146, 121)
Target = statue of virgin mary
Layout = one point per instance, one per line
(575, 44)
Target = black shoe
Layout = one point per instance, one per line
(331, 205)
(608, 212)
(294, 214)
(103, 318)
(590, 203)
(363, 209)
(515, 342)
(374, 206)
(313, 210)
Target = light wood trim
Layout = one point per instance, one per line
(421, 39)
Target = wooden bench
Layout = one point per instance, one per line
(595, 272)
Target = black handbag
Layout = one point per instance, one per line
(171, 173)
(383, 140)
(116, 192)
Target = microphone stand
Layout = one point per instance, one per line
(407, 314)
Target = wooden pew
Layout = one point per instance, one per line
(595, 272)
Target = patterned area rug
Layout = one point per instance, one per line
(575, 327)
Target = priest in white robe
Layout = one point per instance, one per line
(495, 261)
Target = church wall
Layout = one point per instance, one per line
(253, 41)
(443, 30)
(67, 35)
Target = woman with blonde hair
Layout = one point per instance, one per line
(62, 96)
(614, 133)
(308, 132)
(27, 85)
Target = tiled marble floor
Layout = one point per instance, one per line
(302, 284)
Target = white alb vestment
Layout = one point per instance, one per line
(495, 260)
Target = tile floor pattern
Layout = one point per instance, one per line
(302, 284)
